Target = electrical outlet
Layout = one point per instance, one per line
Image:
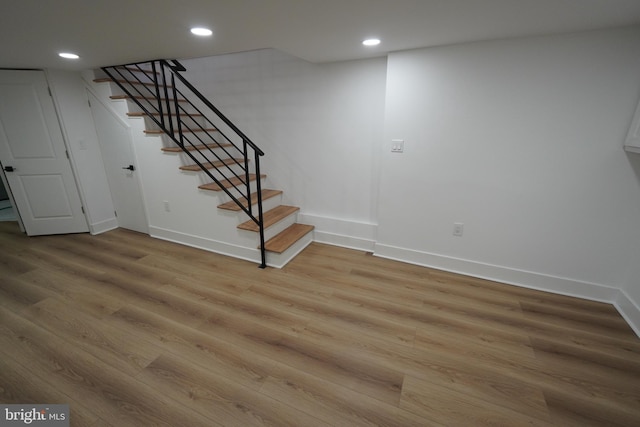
(458, 229)
(167, 208)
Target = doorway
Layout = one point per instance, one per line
(7, 211)
(34, 158)
(116, 146)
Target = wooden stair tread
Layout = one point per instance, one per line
(161, 132)
(195, 148)
(211, 165)
(233, 206)
(270, 217)
(227, 183)
(284, 240)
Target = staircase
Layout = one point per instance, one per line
(214, 147)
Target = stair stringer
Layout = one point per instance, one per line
(193, 218)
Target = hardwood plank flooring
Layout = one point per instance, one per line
(134, 331)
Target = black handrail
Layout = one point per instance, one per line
(179, 67)
(158, 96)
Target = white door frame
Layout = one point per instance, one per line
(142, 214)
(57, 138)
(10, 194)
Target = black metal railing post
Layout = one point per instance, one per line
(247, 174)
(167, 99)
(154, 77)
(263, 253)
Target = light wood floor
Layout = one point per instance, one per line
(133, 331)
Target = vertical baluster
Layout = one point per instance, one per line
(167, 101)
(176, 107)
(247, 174)
(157, 92)
(263, 251)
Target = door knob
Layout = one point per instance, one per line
(130, 167)
(9, 169)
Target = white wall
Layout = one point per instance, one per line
(320, 126)
(520, 140)
(316, 124)
(628, 302)
(79, 132)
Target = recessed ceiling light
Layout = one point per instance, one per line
(68, 55)
(199, 31)
(371, 42)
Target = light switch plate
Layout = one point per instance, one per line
(397, 145)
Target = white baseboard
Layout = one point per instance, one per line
(361, 236)
(629, 311)
(103, 226)
(210, 245)
(338, 232)
(526, 279)
(248, 254)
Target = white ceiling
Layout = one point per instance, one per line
(110, 32)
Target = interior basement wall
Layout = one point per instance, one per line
(521, 141)
(628, 301)
(320, 126)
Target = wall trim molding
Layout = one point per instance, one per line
(248, 254)
(211, 245)
(510, 276)
(338, 232)
(334, 232)
(628, 310)
(103, 226)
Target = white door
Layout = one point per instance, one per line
(34, 157)
(115, 140)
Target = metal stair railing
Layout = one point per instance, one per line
(193, 123)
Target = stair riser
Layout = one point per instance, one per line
(127, 74)
(202, 157)
(139, 80)
(275, 228)
(225, 198)
(218, 175)
(222, 152)
(267, 204)
(212, 139)
(220, 171)
(137, 90)
(280, 260)
(123, 74)
(150, 104)
(252, 187)
(149, 91)
(187, 123)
